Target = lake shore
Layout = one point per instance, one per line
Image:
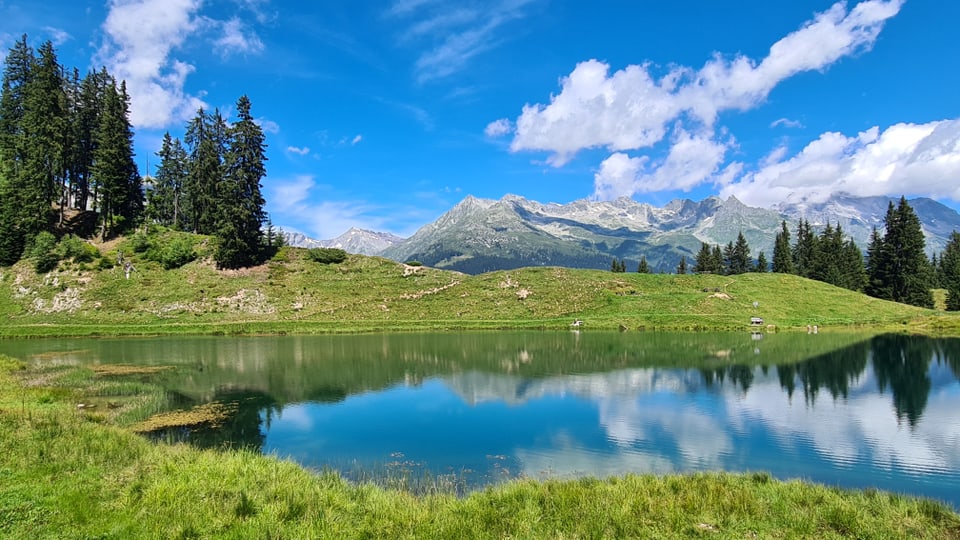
(78, 472)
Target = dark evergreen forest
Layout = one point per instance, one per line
(67, 165)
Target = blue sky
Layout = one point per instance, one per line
(384, 114)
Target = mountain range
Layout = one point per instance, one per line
(481, 235)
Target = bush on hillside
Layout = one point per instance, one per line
(327, 255)
(44, 253)
(75, 249)
(172, 253)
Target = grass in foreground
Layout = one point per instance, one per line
(66, 473)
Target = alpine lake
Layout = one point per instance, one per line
(473, 409)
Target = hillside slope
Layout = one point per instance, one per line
(293, 294)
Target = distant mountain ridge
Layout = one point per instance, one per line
(481, 235)
(354, 240)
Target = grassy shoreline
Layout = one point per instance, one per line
(81, 473)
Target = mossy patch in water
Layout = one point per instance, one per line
(121, 369)
(211, 414)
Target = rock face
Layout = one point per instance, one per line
(481, 235)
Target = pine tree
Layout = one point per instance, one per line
(204, 171)
(782, 255)
(166, 198)
(643, 267)
(950, 263)
(901, 271)
(241, 212)
(17, 74)
(716, 260)
(703, 263)
(44, 120)
(740, 262)
(805, 250)
(876, 266)
(762, 264)
(682, 267)
(114, 169)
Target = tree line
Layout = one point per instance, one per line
(66, 148)
(895, 268)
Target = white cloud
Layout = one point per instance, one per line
(291, 206)
(690, 160)
(236, 38)
(356, 140)
(454, 34)
(922, 159)
(299, 151)
(632, 108)
(786, 122)
(139, 37)
(268, 126)
(498, 128)
(57, 36)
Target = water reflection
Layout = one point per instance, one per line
(840, 409)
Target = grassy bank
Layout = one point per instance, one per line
(292, 294)
(79, 473)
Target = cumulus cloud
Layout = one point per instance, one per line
(299, 151)
(922, 159)
(691, 160)
(140, 37)
(632, 108)
(453, 33)
(498, 128)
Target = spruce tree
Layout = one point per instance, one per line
(782, 255)
(703, 263)
(204, 171)
(682, 267)
(241, 214)
(740, 262)
(166, 197)
(898, 268)
(950, 263)
(114, 170)
(804, 250)
(762, 264)
(716, 262)
(643, 267)
(18, 71)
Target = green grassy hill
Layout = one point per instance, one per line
(291, 293)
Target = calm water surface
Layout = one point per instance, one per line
(845, 410)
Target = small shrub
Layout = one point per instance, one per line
(104, 263)
(44, 252)
(173, 253)
(413, 263)
(75, 249)
(327, 255)
(139, 243)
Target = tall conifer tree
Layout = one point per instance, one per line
(782, 255)
(240, 212)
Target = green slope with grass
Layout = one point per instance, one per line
(69, 473)
(294, 294)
